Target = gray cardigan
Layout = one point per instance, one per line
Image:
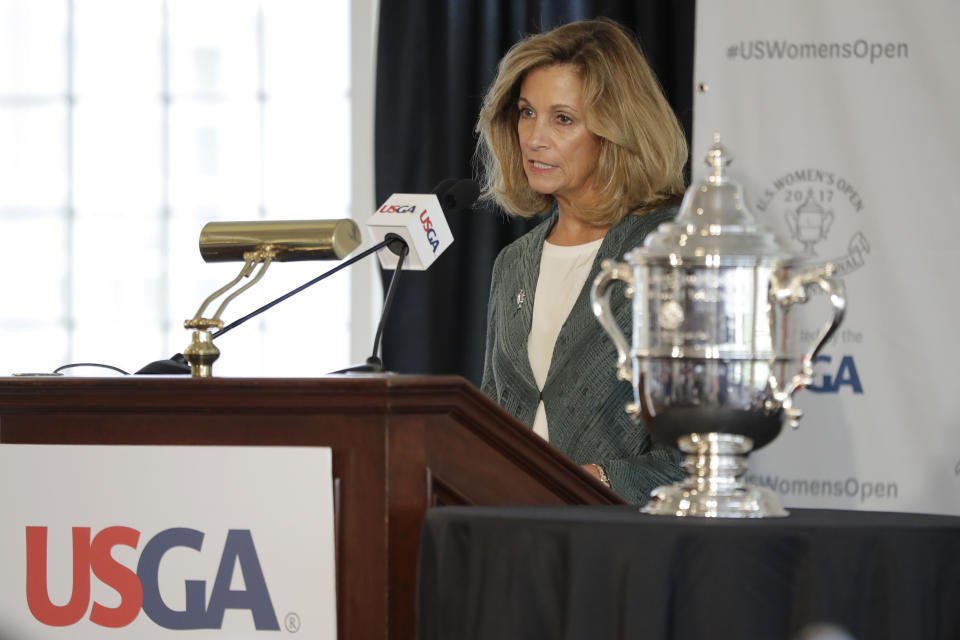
(582, 397)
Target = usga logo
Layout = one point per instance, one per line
(428, 228)
(397, 208)
(430, 231)
(141, 589)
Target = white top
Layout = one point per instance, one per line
(563, 272)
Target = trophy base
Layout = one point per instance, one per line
(714, 487)
(747, 501)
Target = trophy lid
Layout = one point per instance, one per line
(713, 224)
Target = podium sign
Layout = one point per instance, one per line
(166, 541)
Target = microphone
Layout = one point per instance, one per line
(457, 196)
(398, 223)
(420, 221)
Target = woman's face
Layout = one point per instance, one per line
(559, 152)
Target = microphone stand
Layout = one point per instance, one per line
(373, 364)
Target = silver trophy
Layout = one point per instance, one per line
(711, 292)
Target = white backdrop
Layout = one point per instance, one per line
(841, 116)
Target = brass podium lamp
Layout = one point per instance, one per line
(258, 243)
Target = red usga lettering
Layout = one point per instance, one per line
(431, 232)
(425, 219)
(87, 556)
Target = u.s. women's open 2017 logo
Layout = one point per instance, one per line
(816, 210)
(819, 214)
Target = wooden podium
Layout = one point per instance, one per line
(400, 444)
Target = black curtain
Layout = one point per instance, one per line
(435, 59)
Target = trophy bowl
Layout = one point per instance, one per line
(710, 350)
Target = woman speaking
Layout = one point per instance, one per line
(575, 125)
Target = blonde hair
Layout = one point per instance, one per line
(642, 147)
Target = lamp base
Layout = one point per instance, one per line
(201, 353)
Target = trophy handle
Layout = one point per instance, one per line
(600, 300)
(792, 293)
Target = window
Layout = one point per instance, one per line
(127, 125)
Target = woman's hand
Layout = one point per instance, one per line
(592, 469)
(598, 472)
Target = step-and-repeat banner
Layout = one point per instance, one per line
(842, 117)
(166, 542)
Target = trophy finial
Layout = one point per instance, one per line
(718, 157)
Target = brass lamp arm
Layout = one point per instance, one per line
(201, 352)
(262, 256)
(263, 269)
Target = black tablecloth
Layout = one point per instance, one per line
(611, 572)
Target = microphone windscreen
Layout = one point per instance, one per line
(417, 218)
(441, 189)
(460, 196)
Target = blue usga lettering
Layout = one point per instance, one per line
(432, 239)
(238, 549)
(148, 570)
(846, 375)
